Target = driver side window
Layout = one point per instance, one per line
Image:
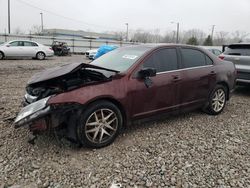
(14, 43)
(162, 60)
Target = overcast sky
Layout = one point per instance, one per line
(108, 15)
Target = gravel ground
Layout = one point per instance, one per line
(190, 150)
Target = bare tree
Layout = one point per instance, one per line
(36, 30)
(239, 36)
(193, 33)
(221, 38)
(18, 31)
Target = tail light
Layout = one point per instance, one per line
(50, 48)
(221, 57)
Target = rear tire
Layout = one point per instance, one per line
(40, 55)
(99, 124)
(217, 100)
(1, 55)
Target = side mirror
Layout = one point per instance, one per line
(147, 72)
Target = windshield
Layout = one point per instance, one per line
(2, 43)
(121, 59)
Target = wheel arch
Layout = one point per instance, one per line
(40, 51)
(2, 53)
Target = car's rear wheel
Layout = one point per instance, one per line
(40, 56)
(217, 100)
(99, 124)
(1, 55)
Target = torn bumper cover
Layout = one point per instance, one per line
(32, 112)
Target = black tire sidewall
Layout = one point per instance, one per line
(2, 55)
(210, 108)
(81, 136)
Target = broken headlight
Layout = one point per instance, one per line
(32, 112)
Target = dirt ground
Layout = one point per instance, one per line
(190, 150)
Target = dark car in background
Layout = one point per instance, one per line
(239, 54)
(92, 102)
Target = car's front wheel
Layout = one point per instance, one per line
(99, 124)
(40, 56)
(217, 100)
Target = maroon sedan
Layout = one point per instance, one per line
(92, 102)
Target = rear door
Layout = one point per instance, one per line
(30, 49)
(162, 94)
(199, 77)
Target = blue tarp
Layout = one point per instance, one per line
(104, 49)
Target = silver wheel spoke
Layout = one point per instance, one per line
(105, 132)
(93, 130)
(109, 127)
(111, 121)
(95, 135)
(101, 136)
(102, 115)
(96, 117)
(108, 116)
(92, 124)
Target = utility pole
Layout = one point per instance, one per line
(9, 15)
(177, 31)
(41, 21)
(127, 32)
(212, 34)
(177, 34)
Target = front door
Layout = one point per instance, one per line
(160, 93)
(14, 49)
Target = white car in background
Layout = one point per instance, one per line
(91, 53)
(22, 48)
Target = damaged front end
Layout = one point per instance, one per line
(41, 116)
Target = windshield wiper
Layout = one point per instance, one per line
(97, 67)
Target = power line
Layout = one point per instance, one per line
(65, 17)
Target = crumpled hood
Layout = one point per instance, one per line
(60, 71)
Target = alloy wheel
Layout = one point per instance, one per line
(218, 100)
(101, 126)
(40, 56)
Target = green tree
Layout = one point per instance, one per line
(208, 41)
(192, 41)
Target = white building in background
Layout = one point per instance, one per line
(79, 34)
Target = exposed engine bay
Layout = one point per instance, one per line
(65, 78)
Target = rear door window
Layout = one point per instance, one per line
(27, 44)
(163, 60)
(192, 58)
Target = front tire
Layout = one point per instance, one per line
(99, 124)
(217, 100)
(40, 55)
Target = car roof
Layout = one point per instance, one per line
(22, 41)
(157, 45)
